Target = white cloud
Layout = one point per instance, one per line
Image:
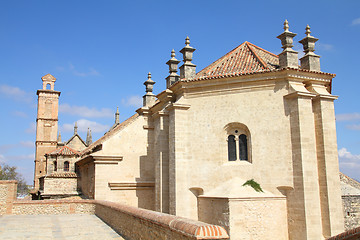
(349, 163)
(84, 111)
(324, 46)
(344, 153)
(83, 125)
(15, 93)
(348, 117)
(353, 126)
(20, 114)
(31, 128)
(134, 101)
(91, 72)
(28, 144)
(356, 21)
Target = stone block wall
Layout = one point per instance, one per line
(351, 205)
(53, 207)
(8, 190)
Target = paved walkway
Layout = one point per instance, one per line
(69, 227)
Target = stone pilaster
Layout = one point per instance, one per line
(181, 203)
(288, 57)
(310, 61)
(173, 65)
(161, 157)
(304, 201)
(328, 165)
(188, 69)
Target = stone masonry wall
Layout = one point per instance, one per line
(8, 190)
(351, 211)
(53, 207)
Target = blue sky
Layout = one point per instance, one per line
(101, 51)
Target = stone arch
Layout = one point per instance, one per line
(241, 148)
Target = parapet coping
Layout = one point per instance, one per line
(8, 181)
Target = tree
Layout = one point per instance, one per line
(9, 173)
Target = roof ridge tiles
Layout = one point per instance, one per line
(258, 58)
(244, 58)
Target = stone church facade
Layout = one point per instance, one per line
(250, 116)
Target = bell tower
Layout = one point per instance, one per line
(46, 125)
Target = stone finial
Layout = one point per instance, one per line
(88, 137)
(117, 114)
(310, 60)
(286, 26)
(75, 128)
(149, 97)
(188, 69)
(59, 137)
(173, 67)
(288, 57)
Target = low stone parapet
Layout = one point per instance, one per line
(131, 222)
(138, 223)
(53, 207)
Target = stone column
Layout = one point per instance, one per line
(304, 201)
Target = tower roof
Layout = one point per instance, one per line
(49, 77)
(65, 150)
(246, 58)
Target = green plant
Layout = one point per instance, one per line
(254, 185)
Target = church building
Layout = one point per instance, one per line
(247, 143)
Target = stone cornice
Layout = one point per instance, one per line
(131, 185)
(200, 87)
(100, 159)
(47, 119)
(47, 91)
(300, 95)
(178, 106)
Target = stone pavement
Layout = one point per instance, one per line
(69, 227)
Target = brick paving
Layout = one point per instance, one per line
(69, 227)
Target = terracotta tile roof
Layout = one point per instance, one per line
(244, 59)
(109, 134)
(65, 151)
(62, 174)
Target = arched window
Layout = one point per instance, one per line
(243, 151)
(55, 166)
(66, 166)
(48, 86)
(238, 141)
(231, 148)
